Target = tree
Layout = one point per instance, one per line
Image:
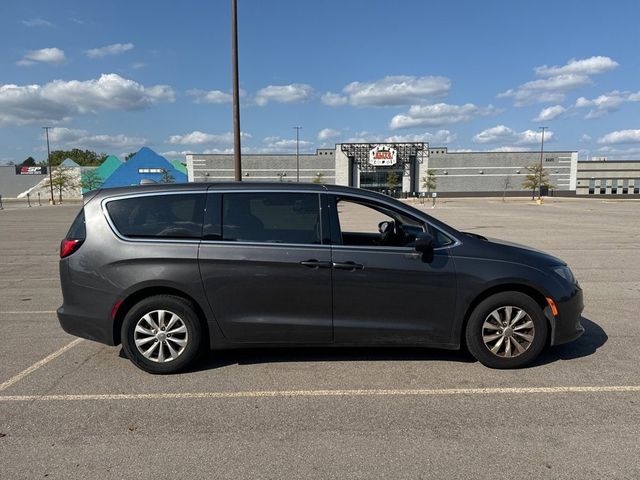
(84, 158)
(62, 179)
(90, 180)
(318, 178)
(166, 177)
(536, 178)
(29, 162)
(429, 182)
(129, 155)
(506, 184)
(393, 181)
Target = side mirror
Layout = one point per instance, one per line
(423, 242)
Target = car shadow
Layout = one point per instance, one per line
(593, 338)
(223, 358)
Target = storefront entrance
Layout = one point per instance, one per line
(387, 180)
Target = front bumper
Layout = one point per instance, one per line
(566, 326)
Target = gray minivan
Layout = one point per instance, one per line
(170, 270)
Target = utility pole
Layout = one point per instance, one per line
(541, 154)
(46, 131)
(297, 129)
(236, 92)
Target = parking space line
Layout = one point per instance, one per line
(328, 393)
(26, 312)
(38, 364)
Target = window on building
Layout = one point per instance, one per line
(271, 217)
(165, 216)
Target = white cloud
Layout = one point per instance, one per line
(138, 65)
(558, 81)
(61, 100)
(328, 133)
(439, 114)
(587, 66)
(549, 113)
(53, 56)
(397, 90)
(278, 144)
(296, 92)
(113, 49)
(506, 135)
(620, 153)
(509, 148)
(199, 138)
(37, 22)
(334, 99)
(440, 137)
(607, 102)
(72, 138)
(585, 138)
(210, 96)
(552, 89)
(621, 136)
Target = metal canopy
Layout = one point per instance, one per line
(406, 152)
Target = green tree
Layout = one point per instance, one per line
(29, 162)
(84, 158)
(90, 180)
(129, 155)
(393, 180)
(63, 180)
(318, 178)
(429, 182)
(167, 177)
(536, 177)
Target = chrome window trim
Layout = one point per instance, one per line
(106, 200)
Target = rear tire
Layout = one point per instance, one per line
(506, 330)
(162, 334)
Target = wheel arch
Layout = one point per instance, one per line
(528, 290)
(151, 291)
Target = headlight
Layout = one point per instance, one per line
(565, 272)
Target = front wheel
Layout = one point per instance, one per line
(161, 334)
(506, 330)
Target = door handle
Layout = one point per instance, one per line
(347, 266)
(316, 264)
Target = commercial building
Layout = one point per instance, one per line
(405, 165)
(610, 177)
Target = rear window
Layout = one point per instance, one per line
(271, 217)
(161, 216)
(78, 230)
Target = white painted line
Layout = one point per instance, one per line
(26, 312)
(325, 393)
(38, 364)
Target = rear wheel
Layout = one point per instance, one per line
(161, 334)
(506, 330)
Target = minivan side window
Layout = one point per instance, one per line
(159, 216)
(271, 217)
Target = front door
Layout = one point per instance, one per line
(384, 292)
(265, 268)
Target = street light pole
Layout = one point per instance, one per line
(541, 154)
(46, 131)
(297, 129)
(236, 92)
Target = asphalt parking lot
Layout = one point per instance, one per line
(77, 409)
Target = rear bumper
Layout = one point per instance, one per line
(91, 328)
(566, 326)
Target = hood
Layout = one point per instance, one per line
(512, 252)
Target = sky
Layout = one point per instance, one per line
(468, 75)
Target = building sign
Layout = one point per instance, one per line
(383, 156)
(30, 170)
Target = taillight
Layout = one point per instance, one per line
(68, 246)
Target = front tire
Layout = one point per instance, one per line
(161, 334)
(506, 330)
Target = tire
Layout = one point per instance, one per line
(162, 351)
(497, 346)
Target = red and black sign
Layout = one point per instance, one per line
(30, 170)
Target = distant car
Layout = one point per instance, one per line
(168, 270)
